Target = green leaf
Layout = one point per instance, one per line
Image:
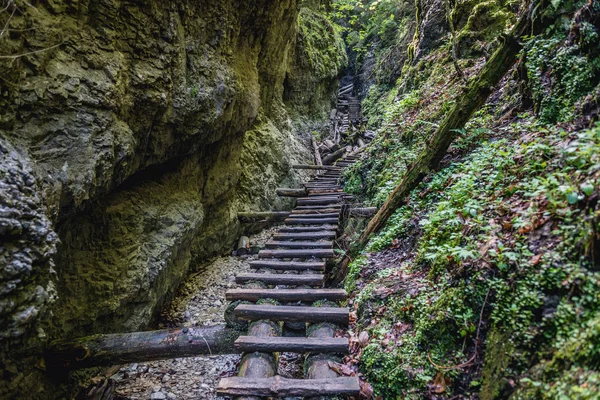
(587, 188)
(572, 197)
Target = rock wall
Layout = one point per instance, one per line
(133, 132)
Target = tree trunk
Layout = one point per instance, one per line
(125, 348)
(473, 97)
(316, 150)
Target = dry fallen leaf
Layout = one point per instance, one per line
(363, 338)
(535, 260)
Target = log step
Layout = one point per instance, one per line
(321, 212)
(308, 228)
(283, 387)
(255, 312)
(288, 265)
(305, 235)
(309, 253)
(310, 221)
(282, 279)
(250, 344)
(286, 295)
(299, 245)
(321, 207)
(335, 214)
(307, 201)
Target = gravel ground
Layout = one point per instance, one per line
(201, 301)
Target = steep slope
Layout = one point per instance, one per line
(485, 283)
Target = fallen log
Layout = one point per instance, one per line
(243, 246)
(333, 157)
(316, 150)
(473, 96)
(126, 348)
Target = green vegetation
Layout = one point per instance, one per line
(493, 290)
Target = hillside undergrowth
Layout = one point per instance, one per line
(486, 283)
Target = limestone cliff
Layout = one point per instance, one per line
(133, 132)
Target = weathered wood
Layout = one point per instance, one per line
(311, 221)
(299, 245)
(268, 215)
(286, 295)
(315, 228)
(321, 207)
(284, 192)
(283, 387)
(252, 312)
(335, 214)
(259, 365)
(316, 167)
(305, 235)
(125, 348)
(288, 265)
(330, 159)
(310, 253)
(243, 246)
(321, 212)
(282, 279)
(292, 344)
(318, 160)
(309, 201)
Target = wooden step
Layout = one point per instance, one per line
(282, 279)
(288, 265)
(316, 212)
(307, 228)
(309, 253)
(311, 221)
(255, 312)
(250, 344)
(313, 215)
(307, 201)
(286, 295)
(321, 207)
(278, 386)
(273, 244)
(305, 235)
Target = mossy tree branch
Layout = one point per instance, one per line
(474, 95)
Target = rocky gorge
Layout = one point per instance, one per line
(131, 134)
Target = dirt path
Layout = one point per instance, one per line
(201, 301)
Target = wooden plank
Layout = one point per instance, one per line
(307, 228)
(283, 387)
(316, 212)
(273, 244)
(292, 344)
(286, 295)
(321, 207)
(335, 214)
(309, 253)
(282, 279)
(305, 235)
(288, 265)
(308, 221)
(318, 202)
(255, 312)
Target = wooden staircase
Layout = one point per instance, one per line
(288, 287)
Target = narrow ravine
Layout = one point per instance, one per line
(200, 302)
